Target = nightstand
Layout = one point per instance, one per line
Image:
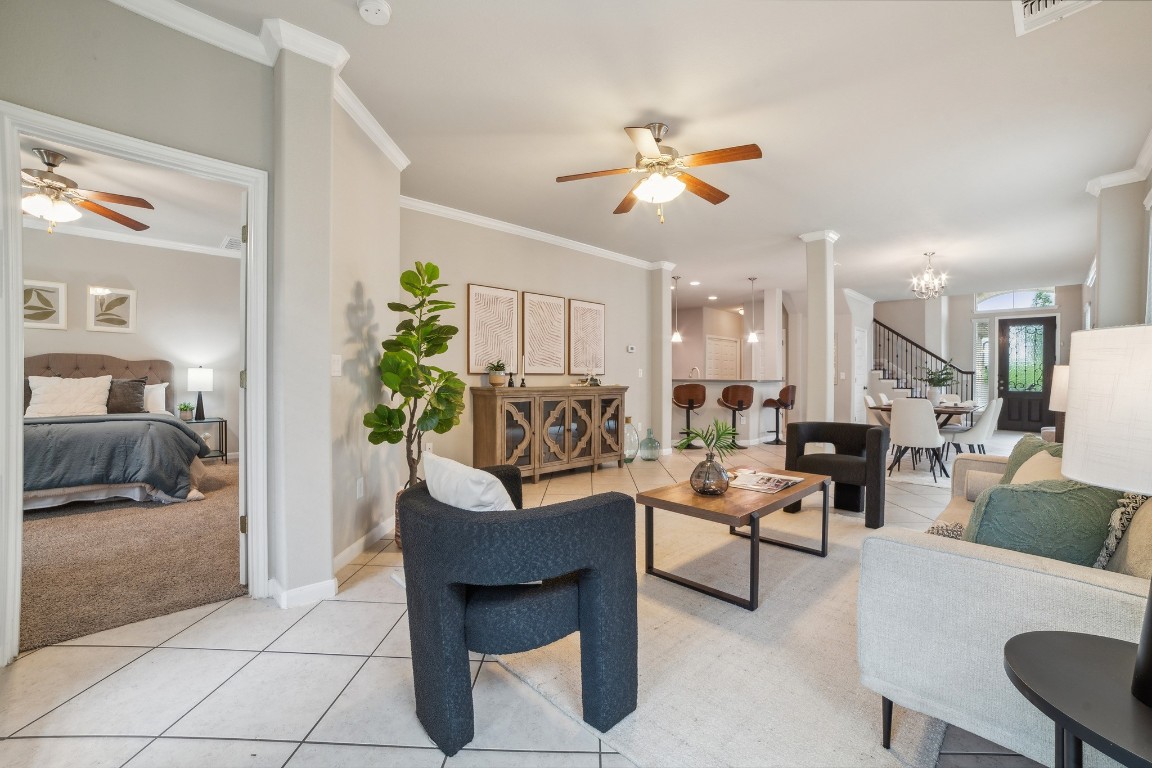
(221, 450)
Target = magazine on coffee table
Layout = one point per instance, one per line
(764, 482)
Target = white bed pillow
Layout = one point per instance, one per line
(463, 487)
(55, 396)
(154, 398)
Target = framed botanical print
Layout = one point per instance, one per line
(543, 333)
(585, 337)
(493, 327)
(112, 310)
(45, 305)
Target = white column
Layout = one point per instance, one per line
(936, 325)
(660, 298)
(821, 319)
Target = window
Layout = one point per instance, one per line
(1019, 298)
(981, 360)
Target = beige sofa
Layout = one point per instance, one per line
(935, 612)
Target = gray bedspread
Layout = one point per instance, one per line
(152, 448)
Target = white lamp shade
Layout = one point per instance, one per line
(1059, 398)
(199, 379)
(1109, 409)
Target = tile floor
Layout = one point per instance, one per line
(243, 683)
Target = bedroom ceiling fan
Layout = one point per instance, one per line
(665, 169)
(55, 198)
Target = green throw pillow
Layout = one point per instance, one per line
(1061, 519)
(1026, 448)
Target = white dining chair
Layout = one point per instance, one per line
(914, 427)
(876, 417)
(884, 399)
(979, 433)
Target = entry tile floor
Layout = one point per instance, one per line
(243, 683)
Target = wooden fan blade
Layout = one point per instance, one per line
(108, 213)
(593, 174)
(645, 144)
(729, 155)
(703, 189)
(629, 200)
(109, 197)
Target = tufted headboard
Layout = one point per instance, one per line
(72, 366)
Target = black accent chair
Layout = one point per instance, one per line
(466, 574)
(857, 467)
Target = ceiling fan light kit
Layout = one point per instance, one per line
(931, 283)
(56, 198)
(659, 188)
(51, 209)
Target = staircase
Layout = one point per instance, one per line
(897, 362)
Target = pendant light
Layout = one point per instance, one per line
(752, 337)
(676, 337)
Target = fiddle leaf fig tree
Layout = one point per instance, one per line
(423, 398)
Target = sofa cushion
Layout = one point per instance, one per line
(1027, 447)
(1042, 466)
(464, 487)
(976, 482)
(1133, 554)
(1061, 519)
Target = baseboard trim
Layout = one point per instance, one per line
(309, 593)
(360, 545)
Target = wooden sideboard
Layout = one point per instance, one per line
(547, 429)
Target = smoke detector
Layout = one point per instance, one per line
(375, 12)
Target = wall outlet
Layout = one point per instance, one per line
(337, 365)
(630, 348)
(359, 487)
(641, 373)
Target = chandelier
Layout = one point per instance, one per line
(930, 284)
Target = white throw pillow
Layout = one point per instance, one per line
(1042, 466)
(54, 396)
(154, 398)
(463, 487)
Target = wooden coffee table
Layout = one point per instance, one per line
(737, 508)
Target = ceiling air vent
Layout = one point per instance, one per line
(1030, 15)
(232, 244)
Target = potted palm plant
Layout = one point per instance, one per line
(709, 478)
(422, 397)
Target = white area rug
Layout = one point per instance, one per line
(921, 475)
(722, 686)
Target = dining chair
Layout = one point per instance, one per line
(877, 417)
(949, 399)
(884, 399)
(979, 433)
(914, 427)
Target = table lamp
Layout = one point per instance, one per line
(1107, 426)
(1058, 402)
(199, 381)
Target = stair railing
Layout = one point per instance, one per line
(904, 361)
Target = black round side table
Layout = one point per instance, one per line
(1083, 682)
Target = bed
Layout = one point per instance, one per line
(140, 456)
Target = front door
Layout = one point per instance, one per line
(1027, 354)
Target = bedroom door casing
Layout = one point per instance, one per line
(16, 121)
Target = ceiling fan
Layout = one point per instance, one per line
(55, 197)
(666, 169)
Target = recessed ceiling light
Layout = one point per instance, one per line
(711, 298)
(694, 282)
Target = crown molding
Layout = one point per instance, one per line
(277, 35)
(667, 266)
(444, 211)
(363, 118)
(1138, 172)
(858, 296)
(80, 230)
(201, 26)
(824, 234)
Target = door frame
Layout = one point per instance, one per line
(994, 336)
(14, 121)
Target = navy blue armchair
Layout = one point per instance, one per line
(466, 574)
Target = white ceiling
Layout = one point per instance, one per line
(905, 126)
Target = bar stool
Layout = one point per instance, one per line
(689, 397)
(785, 400)
(736, 398)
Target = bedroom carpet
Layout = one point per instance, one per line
(90, 567)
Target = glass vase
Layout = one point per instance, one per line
(631, 440)
(709, 478)
(650, 448)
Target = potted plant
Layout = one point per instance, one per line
(185, 410)
(719, 438)
(422, 397)
(937, 379)
(497, 374)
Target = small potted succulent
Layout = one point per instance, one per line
(497, 374)
(709, 478)
(186, 411)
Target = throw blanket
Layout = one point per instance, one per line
(152, 448)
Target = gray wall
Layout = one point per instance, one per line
(1122, 256)
(365, 253)
(189, 310)
(467, 253)
(905, 316)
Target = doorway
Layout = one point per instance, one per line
(16, 121)
(1027, 352)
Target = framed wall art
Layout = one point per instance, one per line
(45, 305)
(112, 310)
(493, 327)
(585, 337)
(543, 333)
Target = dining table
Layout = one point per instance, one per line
(945, 412)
